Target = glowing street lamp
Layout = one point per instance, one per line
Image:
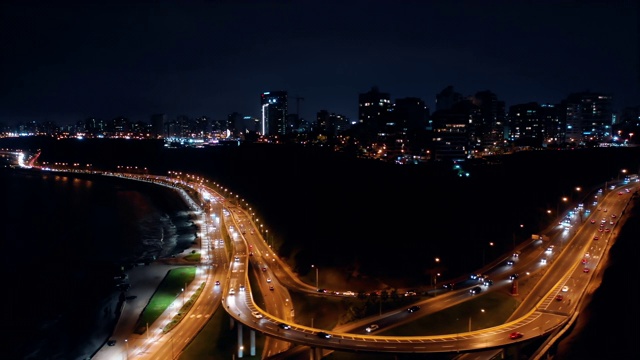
(313, 266)
(483, 252)
(564, 199)
(435, 275)
(481, 310)
(623, 171)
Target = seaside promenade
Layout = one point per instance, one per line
(144, 280)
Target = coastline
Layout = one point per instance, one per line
(144, 280)
(70, 250)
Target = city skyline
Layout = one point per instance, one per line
(65, 63)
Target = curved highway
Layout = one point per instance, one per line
(567, 259)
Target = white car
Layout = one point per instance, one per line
(372, 327)
(232, 291)
(268, 280)
(256, 315)
(565, 288)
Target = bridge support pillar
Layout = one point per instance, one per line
(252, 344)
(240, 346)
(315, 353)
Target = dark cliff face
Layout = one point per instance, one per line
(331, 209)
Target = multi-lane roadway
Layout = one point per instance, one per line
(567, 261)
(562, 259)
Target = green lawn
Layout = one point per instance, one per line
(170, 288)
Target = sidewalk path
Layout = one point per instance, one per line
(144, 281)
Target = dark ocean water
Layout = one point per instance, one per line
(63, 241)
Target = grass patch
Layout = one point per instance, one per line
(194, 257)
(184, 309)
(168, 290)
(497, 306)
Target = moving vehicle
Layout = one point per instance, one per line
(256, 314)
(372, 327)
(515, 335)
(475, 290)
(414, 308)
(284, 326)
(324, 335)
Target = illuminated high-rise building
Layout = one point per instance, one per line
(274, 113)
(589, 117)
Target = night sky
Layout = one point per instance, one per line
(65, 62)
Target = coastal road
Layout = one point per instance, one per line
(548, 313)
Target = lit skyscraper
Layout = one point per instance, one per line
(274, 113)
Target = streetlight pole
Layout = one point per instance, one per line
(481, 310)
(435, 274)
(514, 237)
(484, 248)
(564, 198)
(313, 266)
